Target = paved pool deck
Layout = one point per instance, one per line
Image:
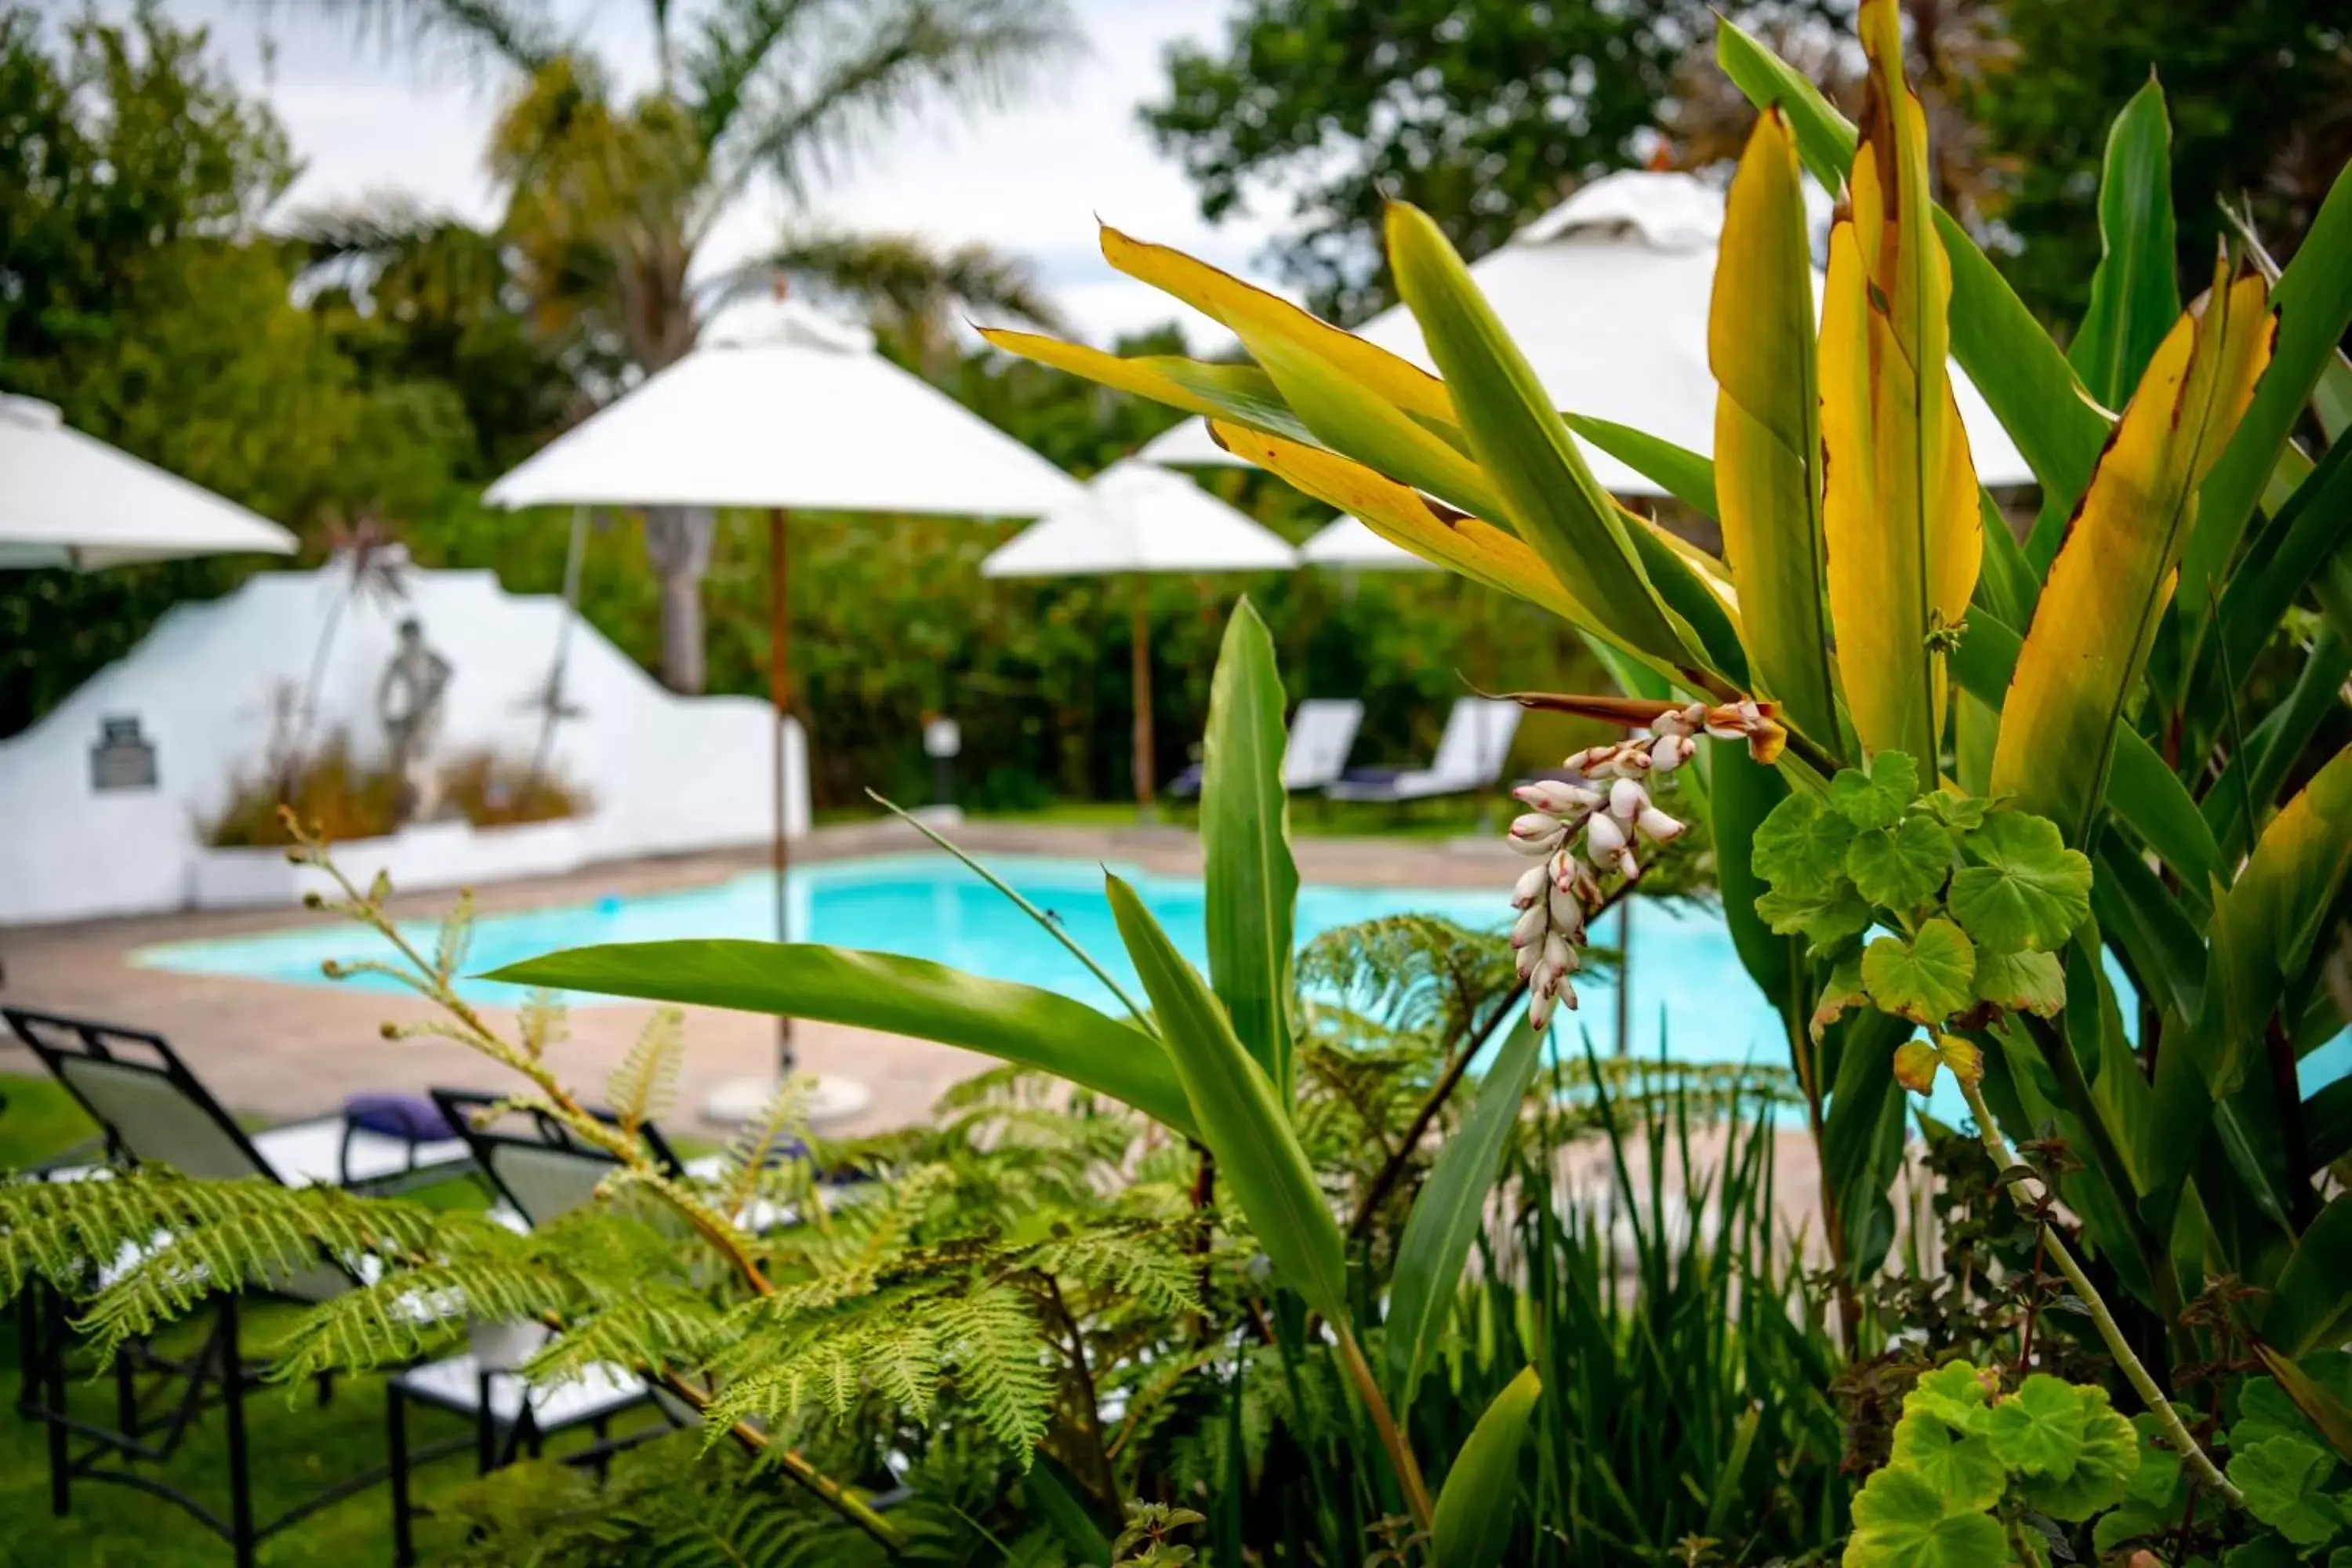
(283, 1051)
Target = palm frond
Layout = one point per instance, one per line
(816, 95)
(522, 35)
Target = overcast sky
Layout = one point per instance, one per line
(1029, 179)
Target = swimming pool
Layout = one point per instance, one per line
(928, 906)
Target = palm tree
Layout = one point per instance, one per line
(610, 199)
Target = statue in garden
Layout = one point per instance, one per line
(409, 699)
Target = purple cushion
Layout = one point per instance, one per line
(413, 1118)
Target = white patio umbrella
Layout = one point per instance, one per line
(1136, 518)
(69, 500)
(1608, 295)
(780, 407)
(1346, 544)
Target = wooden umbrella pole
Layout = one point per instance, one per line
(779, 692)
(1144, 767)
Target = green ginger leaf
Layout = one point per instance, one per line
(1960, 1466)
(1926, 979)
(1799, 849)
(2284, 1481)
(2022, 982)
(1901, 1520)
(2023, 889)
(1878, 798)
(1824, 921)
(1900, 868)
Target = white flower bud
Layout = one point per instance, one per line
(1603, 840)
(1557, 799)
(1559, 956)
(1567, 912)
(1571, 875)
(1530, 886)
(1632, 760)
(1536, 834)
(1538, 1010)
(1672, 722)
(1627, 867)
(1658, 826)
(1671, 752)
(1627, 800)
(1530, 927)
(1526, 961)
(1585, 761)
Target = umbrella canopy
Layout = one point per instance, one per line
(1344, 542)
(782, 406)
(1608, 295)
(1138, 517)
(70, 500)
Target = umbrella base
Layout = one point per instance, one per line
(834, 1099)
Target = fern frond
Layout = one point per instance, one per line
(456, 936)
(994, 1339)
(1412, 973)
(785, 1115)
(640, 1089)
(172, 1241)
(1152, 1264)
(543, 1022)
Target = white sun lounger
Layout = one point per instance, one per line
(1322, 732)
(1470, 757)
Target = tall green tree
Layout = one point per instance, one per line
(1482, 115)
(611, 197)
(138, 294)
(2261, 98)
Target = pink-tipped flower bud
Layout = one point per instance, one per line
(1526, 961)
(1605, 840)
(1627, 800)
(1536, 834)
(1558, 798)
(1567, 912)
(1570, 873)
(1558, 955)
(1530, 927)
(1668, 752)
(1658, 826)
(1532, 884)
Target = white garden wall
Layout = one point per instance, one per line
(666, 773)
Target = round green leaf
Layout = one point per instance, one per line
(2022, 982)
(1900, 1520)
(1823, 920)
(1962, 1468)
(1799, 848)
(2039, 1430)
(1878, 798)
(2023, 889)
(1900, 868)
(1927, 979)
(2284, 1481)
(1955, 1394)
(2103, 1466)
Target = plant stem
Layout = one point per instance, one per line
(1408, 1470)
(829, 1491)
(2167, 1418)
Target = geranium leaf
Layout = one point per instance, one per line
(2039, 1430)
(2156, 1483)
(2023, 889)
(1900, 868)
(1823, 920)
(1900, 1520)
(2105, 1463)
(1841, 991)
(1915, 1066)
(2022, 982)
(1799, 848)
(1962, 1467)
(1875, 799)
(1955, 1394)
(1962, 812)
(1927, 979)
(2285, 1481)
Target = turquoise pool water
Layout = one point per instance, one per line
(928, 906)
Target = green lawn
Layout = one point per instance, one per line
(297, 1447)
